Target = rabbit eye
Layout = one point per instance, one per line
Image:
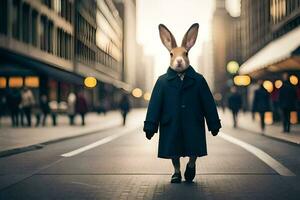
(171, 54)
(186, 53)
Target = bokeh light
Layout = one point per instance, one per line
(268, 85)
(242, 80)
(278, 84)
(294, 79)
(90, 82)
(147, 96)
(233, 67)
(137, 92)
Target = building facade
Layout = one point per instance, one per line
(52, 45)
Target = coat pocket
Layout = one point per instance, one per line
(165, 120)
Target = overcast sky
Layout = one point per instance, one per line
(178, 16)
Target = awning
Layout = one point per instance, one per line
(282, 54)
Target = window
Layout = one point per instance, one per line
(50, 37)
(43, 32)
(25, 23)
(15, 18)
(34, 28)
(3, 17)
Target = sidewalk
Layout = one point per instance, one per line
(274, 131)
(14, 140)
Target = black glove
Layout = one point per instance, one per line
(149, 135)
(214, 132)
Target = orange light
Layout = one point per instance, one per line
(137, 92)
(32, 81)
(15, 82)
(3, 82)
(268, 85)
(278, 84)
(90, 82)
(293, 117)
(147, 96)
(294, 79)
(242, 80)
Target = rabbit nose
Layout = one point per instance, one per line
(179, 61)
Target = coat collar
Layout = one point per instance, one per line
(189, 79)
(171, 73)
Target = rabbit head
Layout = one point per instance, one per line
(179, 55)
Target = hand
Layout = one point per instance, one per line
(214, 132)
(149, 135)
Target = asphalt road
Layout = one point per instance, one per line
(121, 164)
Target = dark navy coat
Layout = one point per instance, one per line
(179, 108)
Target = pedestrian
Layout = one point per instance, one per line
(124, 107)
(81, 107)
(179, 104)
(71, 107)
(44, 104)
(27, 103)
(234, 104)
(287, 101)
(2, 107)
(261, 103)
(13, 104)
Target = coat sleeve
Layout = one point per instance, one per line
(209, 107)
(154, 109)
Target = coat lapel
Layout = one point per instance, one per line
(189, 78)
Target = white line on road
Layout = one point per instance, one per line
(266, 158)
(99, 142)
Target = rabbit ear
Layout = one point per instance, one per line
(166, 37)
(190, 37)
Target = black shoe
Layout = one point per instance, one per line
(189, 173)
(176, 178)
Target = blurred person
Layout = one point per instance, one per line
(261, 103)
(81, 107)
(2, 107)
(287, 101)
(71, 102)
(124, 106)
(13, 104)
(298, 102)
(275, 104)
(44, 105)
(234, 104)
(27, 103)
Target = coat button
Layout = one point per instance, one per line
(182, 106)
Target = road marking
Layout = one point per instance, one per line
(99, 142)
(263, 156)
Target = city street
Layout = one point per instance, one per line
(120, 163)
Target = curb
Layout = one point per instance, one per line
(37, 146)
(272, 137)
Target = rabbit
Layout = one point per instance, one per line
(180, 103)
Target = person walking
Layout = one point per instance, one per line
(13, 104)
(261, 103)
(81, 107)
(124, 107)
(27, 103)
(44, 105)
(287, 101)
(71, 107)
(234, 104)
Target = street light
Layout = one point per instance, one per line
(137, 92)
(242, 80)
(268, 85)
(233, 67)
(278, 84)
(294, 79)
(90, 82)
(147, 96)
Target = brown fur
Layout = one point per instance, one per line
(179, 55)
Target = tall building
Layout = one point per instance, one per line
(221, 46)
(52, 45)
(271, 38)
